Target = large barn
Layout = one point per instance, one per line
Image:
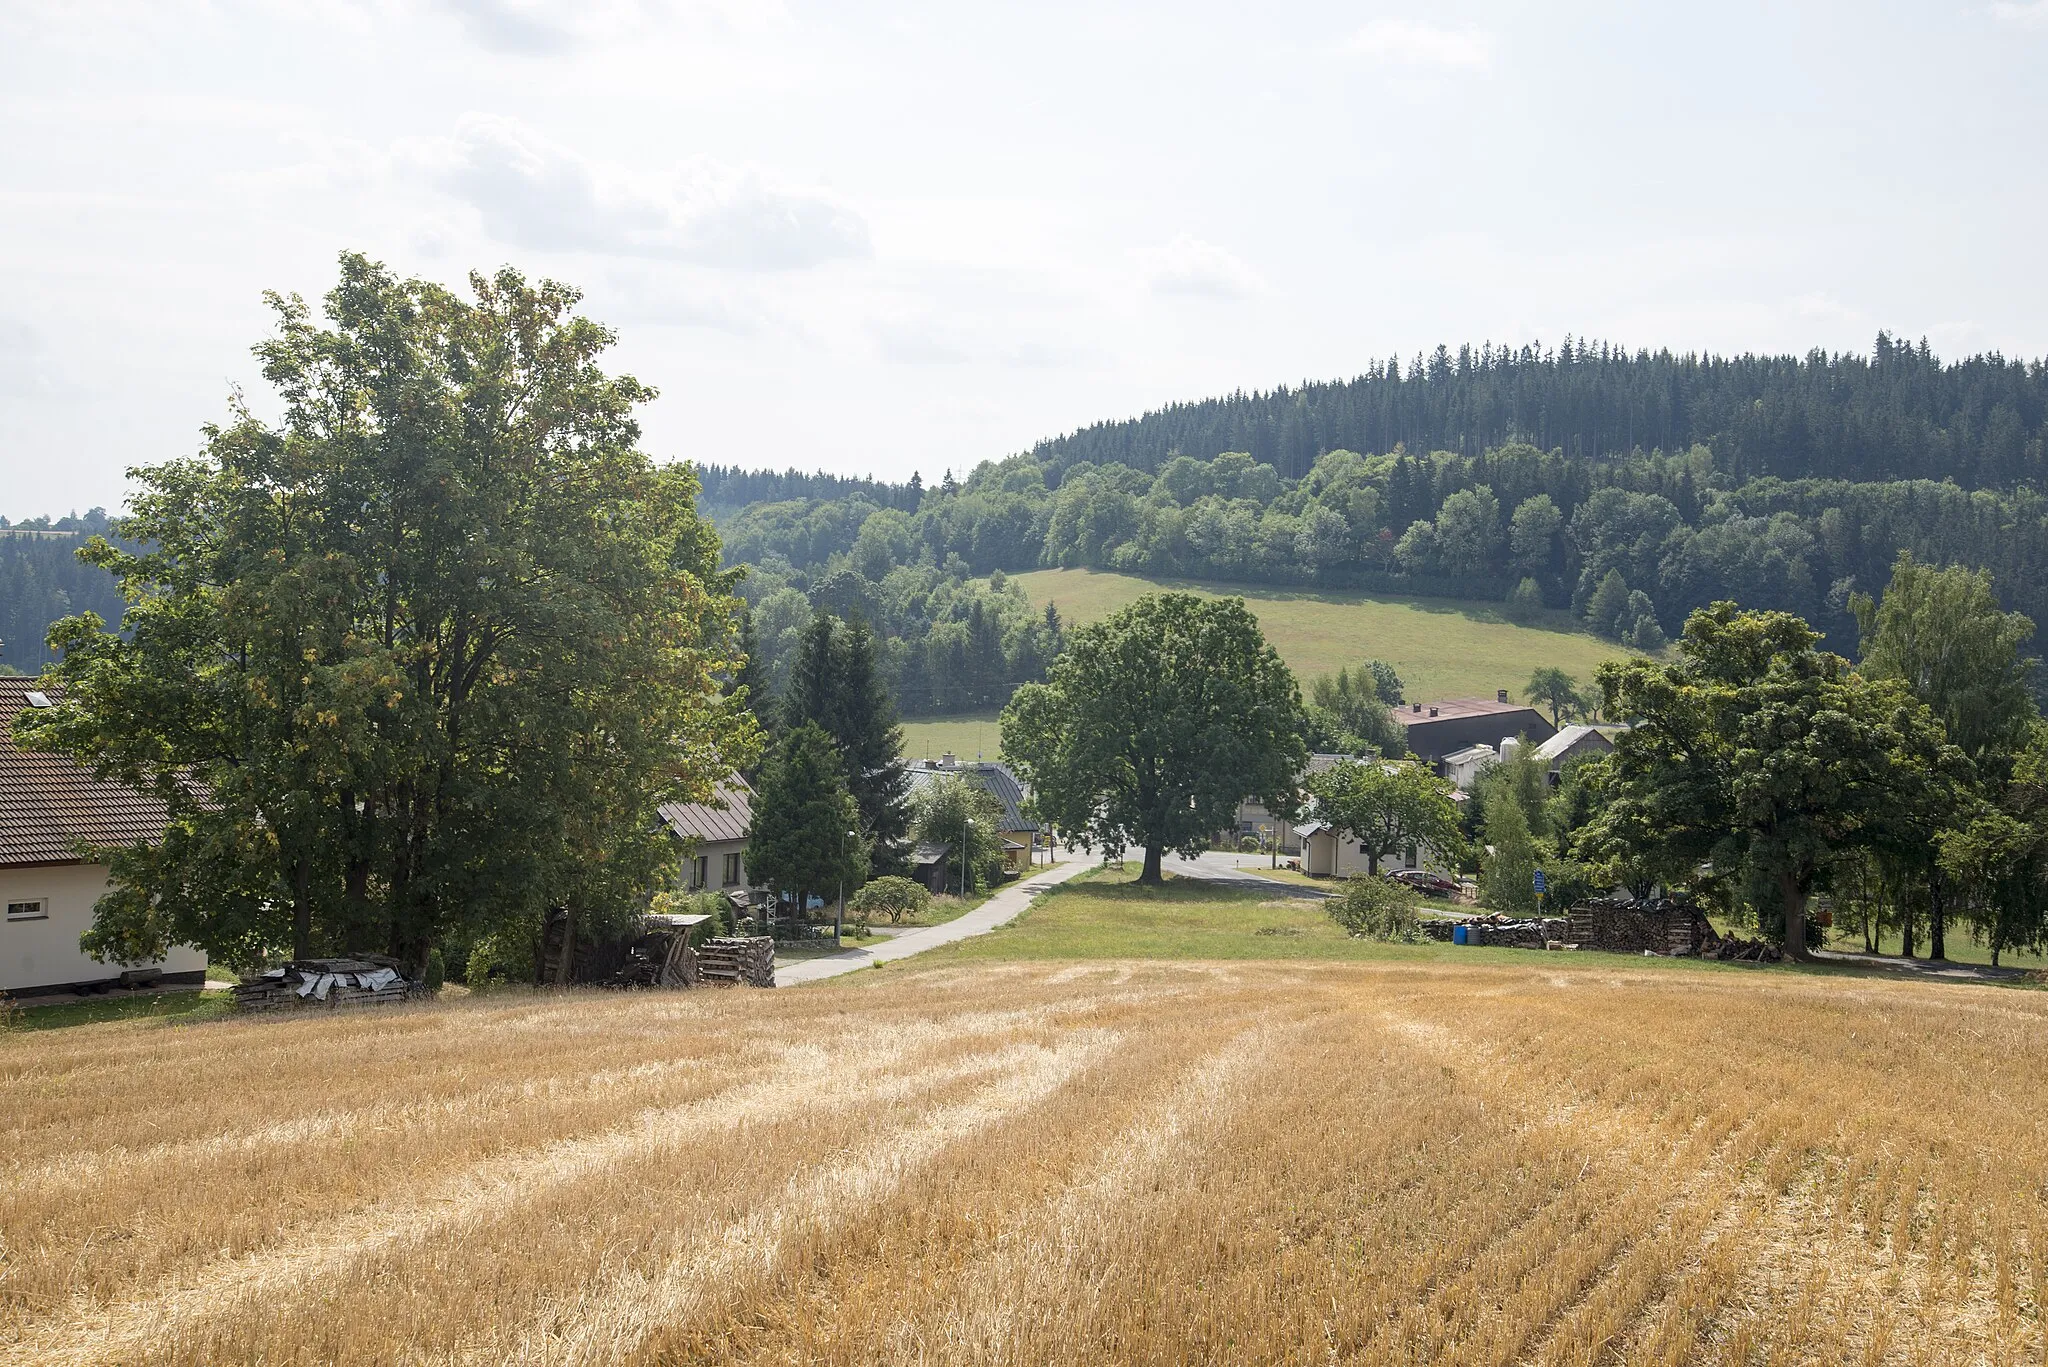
(1438, 730)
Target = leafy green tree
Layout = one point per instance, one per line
(955, 811)
(1553, 688)
(1757, 751)
(1385, 682)
(1468, 531)
(1524, 602)
(1508, 873)
(1532, 533)
(800, 845)
(1357, 718)
(893, 896)
(1386, 807)
(1155, 724)
(1608, 604)
(417, 661)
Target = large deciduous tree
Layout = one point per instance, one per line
(1387, 807)
(1156, 723)
(419, 659)
(1756, 751)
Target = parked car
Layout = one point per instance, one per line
(1422, 880)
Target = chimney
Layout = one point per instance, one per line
(946, 761)
(1432, 711)
(1502, 694)
(1418, 709)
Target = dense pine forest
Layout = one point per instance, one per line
(41, 580)
(1626, 487)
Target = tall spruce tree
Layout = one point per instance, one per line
(799, 845)
(836, 683)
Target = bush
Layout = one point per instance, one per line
(1524, 602)
(890, 896)
(1377, 909)
(503, 956)
(437, 970)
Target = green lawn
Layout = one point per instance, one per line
(970, 737)
(148, 1007)
(1442, 648)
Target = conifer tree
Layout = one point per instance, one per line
(836, 683)
(799, 846)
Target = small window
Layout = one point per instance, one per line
(38, 910)
(732, 870)
(700, 871)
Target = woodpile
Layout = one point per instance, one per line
(1653, 925)
(1735, 949)
(737, 961)
(328, 985)
(1497, 928)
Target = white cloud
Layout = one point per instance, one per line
(529, 192)
(2025, 13)
(1188, 265)
(1415, 43)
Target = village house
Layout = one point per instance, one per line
(1570, 745)
(714, 837)
(1329, 852)
(51, 810)
(1018, 836)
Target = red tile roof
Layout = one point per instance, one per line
(728, 816)
(49, 804)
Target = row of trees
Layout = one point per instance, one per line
(1630, 542)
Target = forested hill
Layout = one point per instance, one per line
(1898, 413)
(42, 580)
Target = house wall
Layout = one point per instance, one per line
(1325, 855)
(45, 953)
(713, 853)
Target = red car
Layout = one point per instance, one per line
(1424, 881)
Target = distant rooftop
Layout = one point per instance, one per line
(1453, 708)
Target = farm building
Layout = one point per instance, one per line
(714, 836)
(50, 809)
(1019, 836)
(1571, 744)
(1439, 730)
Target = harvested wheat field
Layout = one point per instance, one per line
(1049, 1164)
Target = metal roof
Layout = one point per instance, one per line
(728, 816)
(997, 778)
(1567, 738)
(1451, 709)
(50, 804)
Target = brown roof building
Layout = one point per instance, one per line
(52, 809)
(1438, 729)
(714, 836)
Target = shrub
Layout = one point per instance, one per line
(890, 896)
(1378, 909)
(1524, 602)
(437, 970)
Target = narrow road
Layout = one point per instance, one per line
(1001, 909)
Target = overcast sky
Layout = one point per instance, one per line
(879, 238)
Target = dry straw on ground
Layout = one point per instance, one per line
(1033, 1164)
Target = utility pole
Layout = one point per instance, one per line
(966, 825)
(839, 918)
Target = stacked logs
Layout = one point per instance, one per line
(1653, 925)
(328, 985)
(737, 961)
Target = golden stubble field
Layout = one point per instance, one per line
(1048, 1164)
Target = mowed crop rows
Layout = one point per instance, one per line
(1160, 1163)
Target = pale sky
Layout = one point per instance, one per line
(875, 238)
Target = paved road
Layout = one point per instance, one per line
(1000, 909)
(1220, 866)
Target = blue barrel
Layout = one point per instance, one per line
(1458, 936)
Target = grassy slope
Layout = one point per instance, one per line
(967, 737)
(1443, 648)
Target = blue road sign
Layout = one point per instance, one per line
(1539, 880)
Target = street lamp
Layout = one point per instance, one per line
(839, 917)
(966, 824)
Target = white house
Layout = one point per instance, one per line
(1462, 767)
(1330, 852)
(51, 809)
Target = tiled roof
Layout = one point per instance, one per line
(997, 778)
(50, 804)
(728, 816)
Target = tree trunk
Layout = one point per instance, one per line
(1906, 930)
(1372, 863)
(565, 964)
(1937, 940)
(1151, 873)
(302, 908)
(1795, 917)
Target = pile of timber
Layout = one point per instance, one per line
(328, 985)
(1497, 928)
(1650, 925)
(737, 961)
(1735, 949)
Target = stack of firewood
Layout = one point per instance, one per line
(737, 960)
(327, 985)
(1735, 949)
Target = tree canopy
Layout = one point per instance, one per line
(1386, 807)
(1155, 724)
(418, 660)
(806, 838)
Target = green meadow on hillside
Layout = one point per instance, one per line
(1442, 648)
